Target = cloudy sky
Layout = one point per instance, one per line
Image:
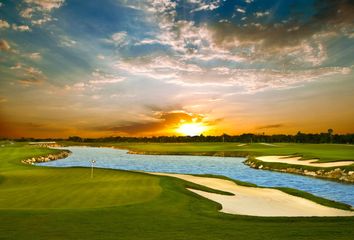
(142, 68)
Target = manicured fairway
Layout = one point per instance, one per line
(324, 152)
(48, 203)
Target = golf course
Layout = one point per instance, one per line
(66, 203)
(176, 120)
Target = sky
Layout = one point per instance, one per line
(146, 68)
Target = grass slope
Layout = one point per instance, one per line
(50, 203)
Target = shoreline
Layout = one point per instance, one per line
(328, 173)
(47, 158)
(257, 201)
(206, 154)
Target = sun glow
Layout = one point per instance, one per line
(191, 129)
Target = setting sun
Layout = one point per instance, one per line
(191, 129)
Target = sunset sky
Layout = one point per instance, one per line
(142, 68)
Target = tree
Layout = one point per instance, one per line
(75, 139)
(330, 135)
(299, 137)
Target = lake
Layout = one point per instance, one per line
(227, 166)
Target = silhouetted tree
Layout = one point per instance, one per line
(330, 135)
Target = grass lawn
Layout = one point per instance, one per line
(57, 203)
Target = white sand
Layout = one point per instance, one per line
(241, 145)
(268, 144)
(258, 201)
(297, 161)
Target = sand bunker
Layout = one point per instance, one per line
(297, 161)
(258, 201)
(268, 144)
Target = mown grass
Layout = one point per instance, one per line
(68, 204)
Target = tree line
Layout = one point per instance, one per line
(300, 137)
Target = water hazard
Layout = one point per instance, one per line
(226, 166)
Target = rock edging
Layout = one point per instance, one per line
(47, 158)
(332, 174)
(209, 154)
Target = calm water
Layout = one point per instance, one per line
(230, 167)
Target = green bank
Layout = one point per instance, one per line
(324, 152)
(65, 203)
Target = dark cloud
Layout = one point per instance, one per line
(39, 127)
(164, 121)
(32, 76)
(17, 129)
(158, 108)
(30, 81)
(334, 11)
(33, 125)
(331, 15)
(279, 125)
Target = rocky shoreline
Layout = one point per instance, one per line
(47, 158)
(336, 174)
(209, 154)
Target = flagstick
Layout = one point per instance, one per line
(92, 164)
